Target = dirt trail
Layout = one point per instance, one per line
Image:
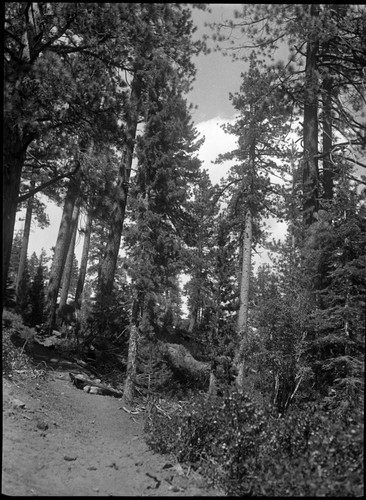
(67, 442)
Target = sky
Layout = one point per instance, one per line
(216, 77)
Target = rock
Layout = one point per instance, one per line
(179, 469)
(167, 466)
(69, 458)
(17, 403)
(94, 390)
(175, 488)
(86, 388)
(42, 426)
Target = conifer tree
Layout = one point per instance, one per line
(37, 297)
(166, 169)
(260, 140)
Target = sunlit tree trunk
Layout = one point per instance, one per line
(61, 249)
(83, 262)
(25, 241)
(328, 173)
(129, 387)
(109, 261)
(244, 297)
(70, 258)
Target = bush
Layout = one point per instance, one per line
(15, 335)
(242, 448)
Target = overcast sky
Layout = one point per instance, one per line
(216, 77)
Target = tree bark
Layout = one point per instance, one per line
(70, 258)
(83, 263)
(182, 361)
(328, 173)
(244, 297)
(61, 249)
(193, 319)
(13, 161)
(129, 387)
(25, 241)
(310, 133)
(109, 261)
(15, 138)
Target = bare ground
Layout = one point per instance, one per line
(61, 441)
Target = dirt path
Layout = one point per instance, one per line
(67, 442)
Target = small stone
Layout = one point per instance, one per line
(175, 488)
(42, 426)
(179, 469)
(86, 388)
(69, 459)
(92, 468)
(17, 403)
(96, 490)
(94, 390)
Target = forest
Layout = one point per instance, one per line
(260, 383)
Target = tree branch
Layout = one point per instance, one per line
(30, 193)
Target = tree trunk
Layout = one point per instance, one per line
(310, 133)
(244, 296)
(129, 387)
(14, 155)
(61, 249)
(193, 319)
(328, 173)
(109, 262)
(15, 139)
(83, 263)
(212, 388)
(182, 362)
(70, 258)
(25, 241)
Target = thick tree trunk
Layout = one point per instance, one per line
(25, 241)
(61, 249)
(109, 262)
(69, 259)
(182, 362)
(244, 297)
(310, 133)
(13, 158)
(83, 263)
(328, 173)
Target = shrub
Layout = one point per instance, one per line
(242, 448)
(15, 335)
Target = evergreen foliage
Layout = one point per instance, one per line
(91, 87)
(37, 297)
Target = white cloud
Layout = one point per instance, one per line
(217, 142)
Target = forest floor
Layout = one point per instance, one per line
(59, 440)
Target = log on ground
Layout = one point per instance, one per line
(182, 362)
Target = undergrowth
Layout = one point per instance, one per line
(15, 338)
(245, 450)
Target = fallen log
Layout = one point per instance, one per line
(182, 362)
(92, 386)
